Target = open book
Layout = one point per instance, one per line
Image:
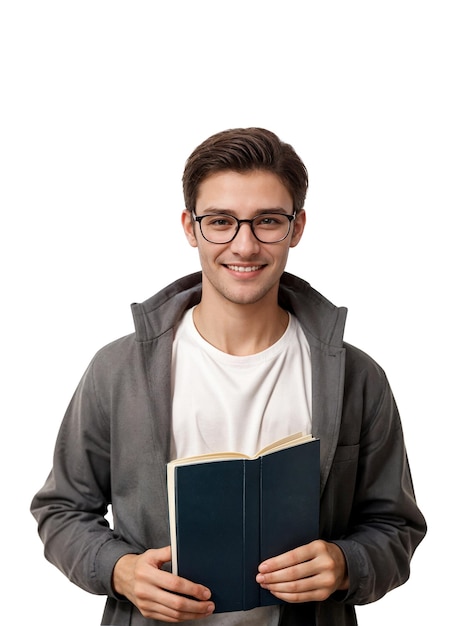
(229, 512)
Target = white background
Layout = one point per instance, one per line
(101, 103)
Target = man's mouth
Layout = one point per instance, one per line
(244, 268)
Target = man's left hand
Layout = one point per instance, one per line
(308, 573)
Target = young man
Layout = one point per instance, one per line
(233, 357)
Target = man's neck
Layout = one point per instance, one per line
(241, 330)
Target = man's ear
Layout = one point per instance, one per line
(298, 228)
(188, 225)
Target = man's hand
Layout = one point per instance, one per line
(309, 573)
(153, 591)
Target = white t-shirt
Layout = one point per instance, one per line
(223, 402)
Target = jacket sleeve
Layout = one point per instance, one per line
(71, 506)
(384, 524)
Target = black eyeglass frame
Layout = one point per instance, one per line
(199, 218)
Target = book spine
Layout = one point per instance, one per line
(251, 532)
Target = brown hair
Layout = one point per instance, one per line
(245, 150)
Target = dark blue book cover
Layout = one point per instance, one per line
(227, 516)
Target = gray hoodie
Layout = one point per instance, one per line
(113, 446)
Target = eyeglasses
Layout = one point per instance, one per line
(266, 227)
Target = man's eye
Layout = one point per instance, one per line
(220, 221)
(269, 220)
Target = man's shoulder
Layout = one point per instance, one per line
(360, 364)
(115, 354)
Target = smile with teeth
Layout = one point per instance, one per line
(244, 268)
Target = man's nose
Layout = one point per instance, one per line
(245, 240)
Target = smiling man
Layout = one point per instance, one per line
(232, 358)
(247, 224)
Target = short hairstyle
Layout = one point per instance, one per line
(245, 150)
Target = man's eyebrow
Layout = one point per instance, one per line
(219, 211)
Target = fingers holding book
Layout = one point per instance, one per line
(309, 573)
(159, 594)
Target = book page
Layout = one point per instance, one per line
(285, 442)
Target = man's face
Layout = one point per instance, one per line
(243, 196)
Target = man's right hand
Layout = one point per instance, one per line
(154, 592)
